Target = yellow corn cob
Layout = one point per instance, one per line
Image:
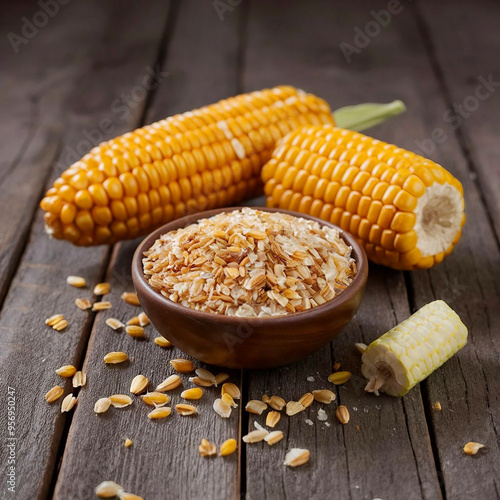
(410, 352)
(206, 158)
(406, 210)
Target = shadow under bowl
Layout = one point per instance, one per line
(250, 343)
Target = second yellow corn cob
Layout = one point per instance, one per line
(406, 210)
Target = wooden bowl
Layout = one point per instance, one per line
(251, 343)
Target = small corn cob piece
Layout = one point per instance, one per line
(207, 158)
(410, 352)
(406, 210)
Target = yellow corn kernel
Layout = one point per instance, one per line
(228, 447)
(407, 211)
(193, 393)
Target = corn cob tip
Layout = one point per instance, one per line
(411, 351)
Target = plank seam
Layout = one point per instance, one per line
(84, 338)
(244, 423)
(339, 401)
(242, 45)
(412, 447)
(426, 399)
(432, 435)
(33, 122)
(161, 56)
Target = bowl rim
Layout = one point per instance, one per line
(139, 279)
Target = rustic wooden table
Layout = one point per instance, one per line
(75, 74)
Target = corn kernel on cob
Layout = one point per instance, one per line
(405, 210)
(203, 159)
(410, 352)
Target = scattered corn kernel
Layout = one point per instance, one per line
(193, 393)
(170, 383)
(185, 410)
(114, 323)
(83, 304)
(66, 371)
(102, 405)
(324, 396)
(76, 281)
(182, 365)
(255, 406)
(120, 400)
(156, 398)
(272, 418)
(342, 414)
(207, 449)
(102, 289)
(162, 342)
(130, 298)
(114, 358)
(137, 332)
(228, 447)
(54, 394)
(294, 407)
(339, 378)
(232, 389)
(159, 413)
(472, 448)
(139, 384)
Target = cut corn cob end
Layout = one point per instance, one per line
(410, 352)
(406, 211)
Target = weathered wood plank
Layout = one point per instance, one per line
(102, 59)
(391, 450)
(164, 455)
(35, 82)
(468, 388)
(201, 62)
(466, 49)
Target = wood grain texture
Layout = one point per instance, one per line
(30, 351)
(164, 455)
(200, 58)
(391, 441)
(392, 446)
(55, 93)
(468, 386)
(35, 86)
(465, 49)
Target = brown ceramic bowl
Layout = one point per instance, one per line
(248, 342)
